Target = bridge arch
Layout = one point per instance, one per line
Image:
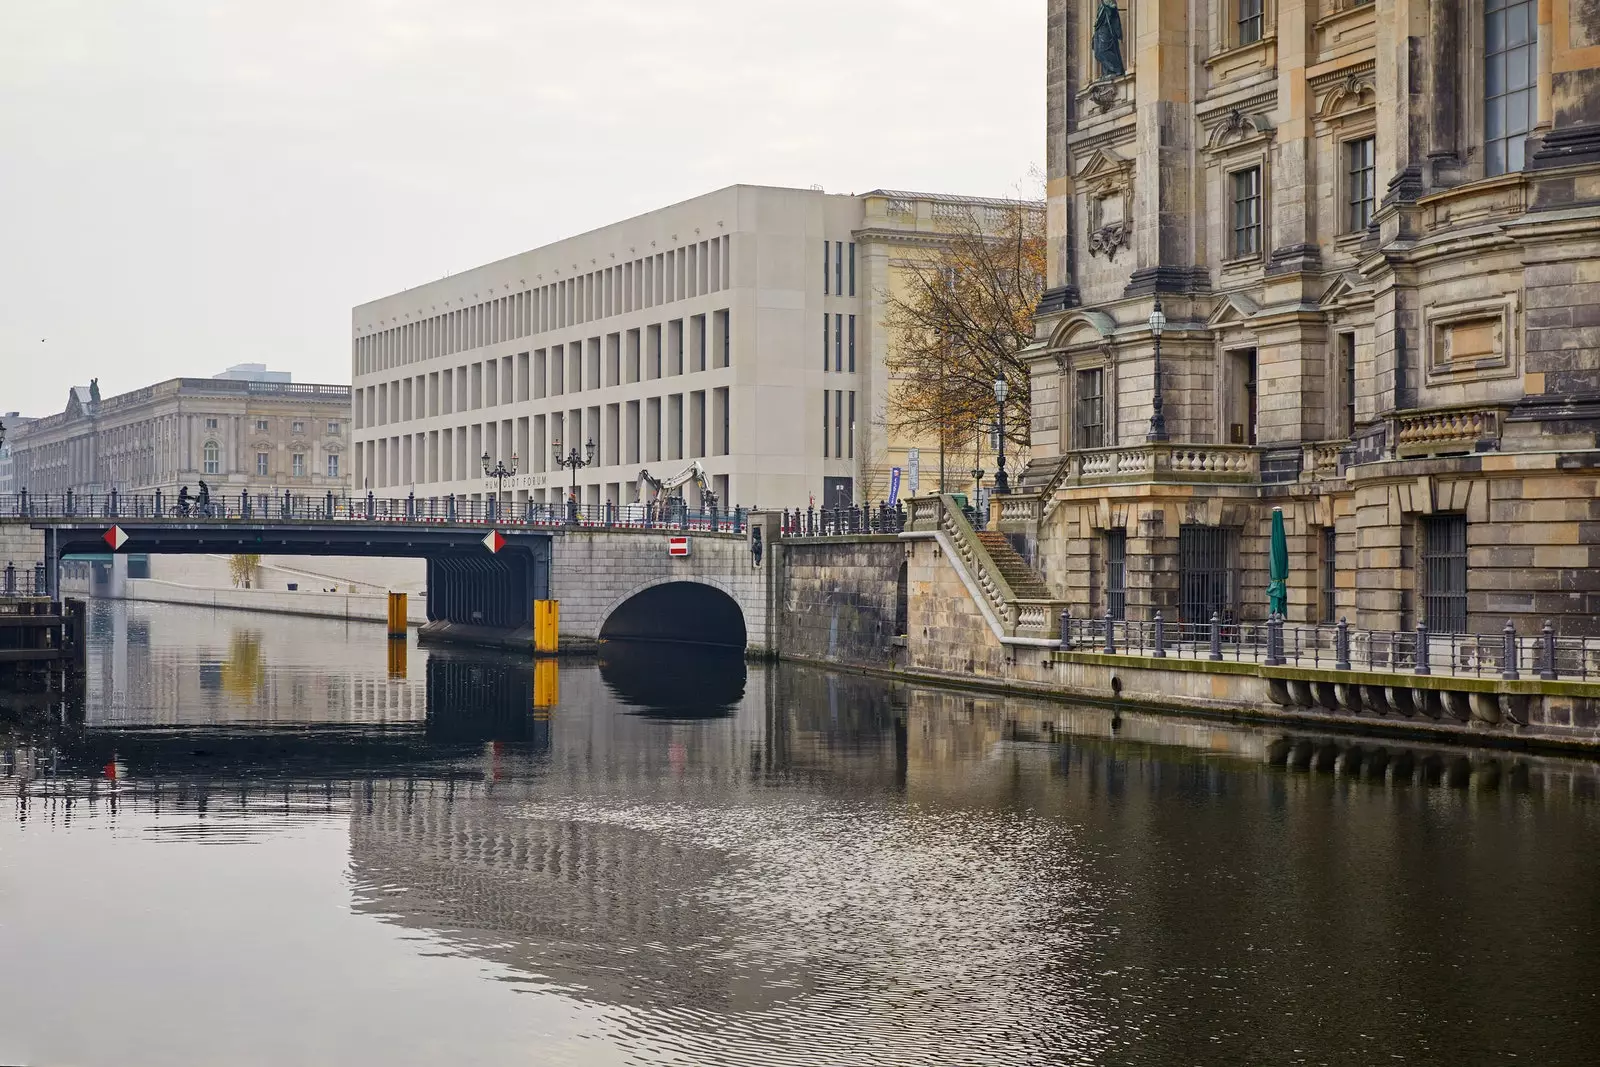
(686, 610)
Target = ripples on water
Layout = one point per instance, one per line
(265, 845)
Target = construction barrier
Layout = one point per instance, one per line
(397, 614)
(546, 626)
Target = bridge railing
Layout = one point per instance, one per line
(293, 507)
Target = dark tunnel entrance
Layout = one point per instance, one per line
(684, 612)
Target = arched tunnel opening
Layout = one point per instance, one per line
(682, 612)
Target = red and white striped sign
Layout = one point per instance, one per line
(677, 546)
(493, 541)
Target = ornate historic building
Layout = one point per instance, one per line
(1373, 232)
(239, 434)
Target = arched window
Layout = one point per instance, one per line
(213, 464)
(902, 602)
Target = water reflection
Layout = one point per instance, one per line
(671, 861)
(665, 681)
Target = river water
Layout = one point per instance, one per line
(262, 840)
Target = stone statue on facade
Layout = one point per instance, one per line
(94, 390)
(1107, 40)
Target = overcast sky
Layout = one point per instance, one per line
(188, 184)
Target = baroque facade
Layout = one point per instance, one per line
(240, 435)
(1373, 230)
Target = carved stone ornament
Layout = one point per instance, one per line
(1107, 239)
(1103, 94)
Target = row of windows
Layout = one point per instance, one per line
(838, 271)
(1247, 199)
(679, 274)
(843, 424)
(677, 426)
(265, 426)
(680, 346)
(843, 342)
(212, 462)
(1208, 572)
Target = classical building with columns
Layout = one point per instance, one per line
(1372, 230)
(239, 433)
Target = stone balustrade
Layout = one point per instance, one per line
(1168, 462)
(1458, 430)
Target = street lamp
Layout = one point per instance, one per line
(1001, 484)
(1158, 416)
(499, 474)
(574, 462)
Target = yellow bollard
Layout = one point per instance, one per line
(397, 614)
(546, 684)
(546, 626)
(397, 659)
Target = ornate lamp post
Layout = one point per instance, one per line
(574, 462)
(499, 473)
(1001, 483)
(1158, 415)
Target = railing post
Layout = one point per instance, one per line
(1548, 670)
(1111, 637)
(244, 505)
(69, 503)
(1066, 628)
(11, 578)
(22, 503)
(158, 503)
(112, 505)
(1421, 657)
(1341, 645)
(40, 587)
(1216, 637)
(1161, 637)
(1508, 653)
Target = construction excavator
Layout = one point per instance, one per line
(666, 494)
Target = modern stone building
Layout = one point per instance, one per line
(1373, 230)
(238, 434)
(744, 329)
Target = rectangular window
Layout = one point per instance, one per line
(852, 268)
(1362, 188)
(825, 420)
(299, 465)
(1247, 213)
(838, 343)
(824, 268)
(1347, 371)
(262, 459)
(299, 427)
(838, 267)
(1117, 573)
(1509, 44)
(1207, 573)
(852, 344)
(211, 424)
(333, 466)
(333, 429)
(824, 342)
(1091, 408)
(838, 423)
(1330, 544)
(1444, 573)
(261, 425)
(851, 451)
(1251, 22)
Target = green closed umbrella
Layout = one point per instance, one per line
(1278, 572)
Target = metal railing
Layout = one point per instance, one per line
(26, 579)
(291, 507)
(1508, 655)
(839, 522)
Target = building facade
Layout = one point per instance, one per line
(1373, 231)
(239, 435)
(13, 421)
(744, 329)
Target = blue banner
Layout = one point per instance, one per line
(894, 485)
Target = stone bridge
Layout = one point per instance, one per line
(613, 580)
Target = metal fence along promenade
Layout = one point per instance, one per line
(330, 507)
(1507, 655)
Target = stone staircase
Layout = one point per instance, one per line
(1023, 580)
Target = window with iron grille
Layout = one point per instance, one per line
(1091, 408)
(1117, 573)
(1330, 549)
(1444, 573)
(1362, 189)
(1251, 22)
(1208, 572)
(1247, 212)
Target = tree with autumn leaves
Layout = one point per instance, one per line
(959, 320)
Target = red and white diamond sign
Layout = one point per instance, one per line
(116, 538)
(493, 541)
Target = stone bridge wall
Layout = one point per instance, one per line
(837, 600)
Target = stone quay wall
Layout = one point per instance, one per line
(837, 600)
